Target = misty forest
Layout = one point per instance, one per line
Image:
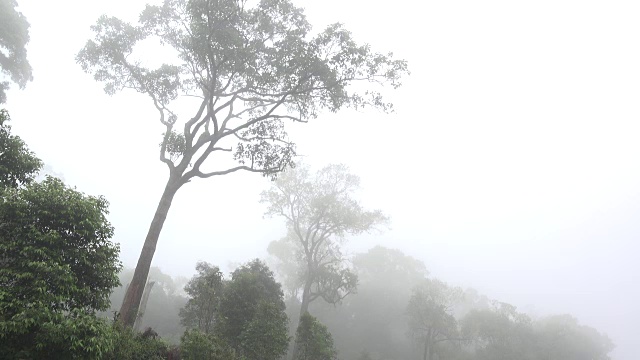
(226, 95)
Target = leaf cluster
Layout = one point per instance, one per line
(18, 165)
(14, 36)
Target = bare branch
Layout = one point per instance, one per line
(234, 169)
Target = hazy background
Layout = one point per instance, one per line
(511, 163)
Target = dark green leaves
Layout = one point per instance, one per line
(58, 267)
(245, 313)
(18, 165)
(314, 340)
(205, 292)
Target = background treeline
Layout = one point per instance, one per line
(382, 319)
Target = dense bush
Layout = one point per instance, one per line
(131, 345)
(314, 341)
(57, 262)
(197, 345)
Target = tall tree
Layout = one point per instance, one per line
(430, 315)
(14, 36)
(253, 68)
(320, 211)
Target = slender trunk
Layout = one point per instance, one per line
(143, 305)
(131, 302)
(304, 308)
(427, 347)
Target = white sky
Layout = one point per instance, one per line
(511, 164)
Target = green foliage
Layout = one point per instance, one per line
(313, 340)
(265, 336)
(205, 291)
(247, 312)
(131, 345)
(56, 248)
(58, 266)
(18, 165)
(41, 333)
(251, 285)
(174, 144)
(196, 345)
(14, 36)
(57, 263)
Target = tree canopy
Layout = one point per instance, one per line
(251, 286)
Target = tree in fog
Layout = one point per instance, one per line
(249, 69)
(320, 211)
(430, 313)
(374, 318)
(166, 299)
(205, 293)
(313, 340)
(562, 337)
(252, 315)
(14, 36)
(245, 313)
(500, 332)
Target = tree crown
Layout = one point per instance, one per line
(252, 68)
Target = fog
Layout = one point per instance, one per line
(509, 166)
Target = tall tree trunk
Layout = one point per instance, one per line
(304, 308)
(131, 302)
(426, 350)
(427, 346)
